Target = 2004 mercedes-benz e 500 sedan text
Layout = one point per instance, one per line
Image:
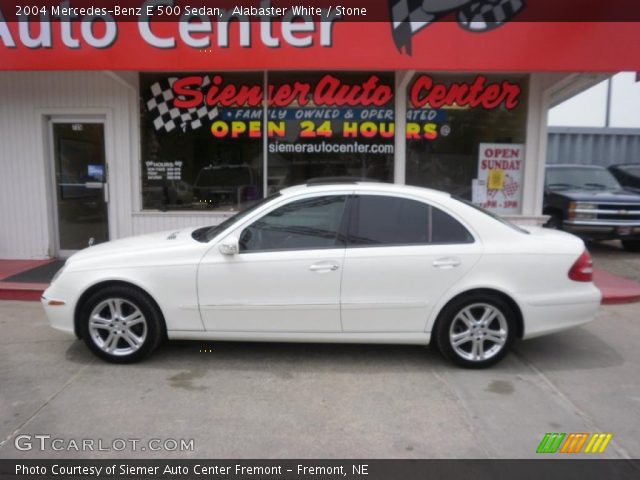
(331, 262)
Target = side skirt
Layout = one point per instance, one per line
(417, 338)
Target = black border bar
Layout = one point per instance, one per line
(363, 469)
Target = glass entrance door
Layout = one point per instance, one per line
(80, 184)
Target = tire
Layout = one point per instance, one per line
(459, 317)
(631, 245)
(130, 335)
(554, 222)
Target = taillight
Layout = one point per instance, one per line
(582, 269)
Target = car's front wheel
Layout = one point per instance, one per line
(120, 324)
(477, 331)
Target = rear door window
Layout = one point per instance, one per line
(380, 220)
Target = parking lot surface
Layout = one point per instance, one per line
(251, 400)
(611, 257)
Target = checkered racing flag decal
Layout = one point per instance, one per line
(408, 17)
(168, 117)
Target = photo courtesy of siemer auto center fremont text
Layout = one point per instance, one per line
(320, 240)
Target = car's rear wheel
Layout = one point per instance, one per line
(631, 245)
(121, 324)
(476, 331)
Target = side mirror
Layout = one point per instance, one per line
(229, 246)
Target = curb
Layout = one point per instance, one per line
(30, 292)
(616, 289)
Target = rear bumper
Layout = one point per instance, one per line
(603, 230)
(563, 311)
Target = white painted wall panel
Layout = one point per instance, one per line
(146, 222)
(26, 100)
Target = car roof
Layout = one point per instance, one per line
(362, 186)
(573, 165)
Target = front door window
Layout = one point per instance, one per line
(308, 224)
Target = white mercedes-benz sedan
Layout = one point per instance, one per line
(341, 261)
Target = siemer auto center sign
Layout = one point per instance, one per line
(345, 34)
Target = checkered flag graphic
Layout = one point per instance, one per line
(481, 16)
(168, 117)
(408, 17)
(511, 186)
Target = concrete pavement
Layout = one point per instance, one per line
(246, 400)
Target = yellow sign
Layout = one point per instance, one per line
(496, 179)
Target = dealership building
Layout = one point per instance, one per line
(114, 126)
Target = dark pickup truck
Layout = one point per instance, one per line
(588, 201)
(628, 174)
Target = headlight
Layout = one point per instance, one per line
(582, 211)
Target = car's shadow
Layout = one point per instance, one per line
(274, 356)
(610, 246)
(577, 349)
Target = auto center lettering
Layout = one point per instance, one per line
(477, 94)
(318, 105)
(329, 91)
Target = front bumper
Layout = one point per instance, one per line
(58, 312)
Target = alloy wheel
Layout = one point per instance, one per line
(478, 332)
(117, 327)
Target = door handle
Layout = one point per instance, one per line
(446, 262)
(324, 267)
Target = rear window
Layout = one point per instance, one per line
(378, 220)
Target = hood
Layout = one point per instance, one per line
(141, 245)
(594, 196)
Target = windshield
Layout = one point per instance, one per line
(492, 215)
(583, 178)
(206, 234)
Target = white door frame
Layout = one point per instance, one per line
(50, 120)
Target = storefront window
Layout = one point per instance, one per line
(201, 140)
(328, 125)
(202, 134)
(466, 135)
